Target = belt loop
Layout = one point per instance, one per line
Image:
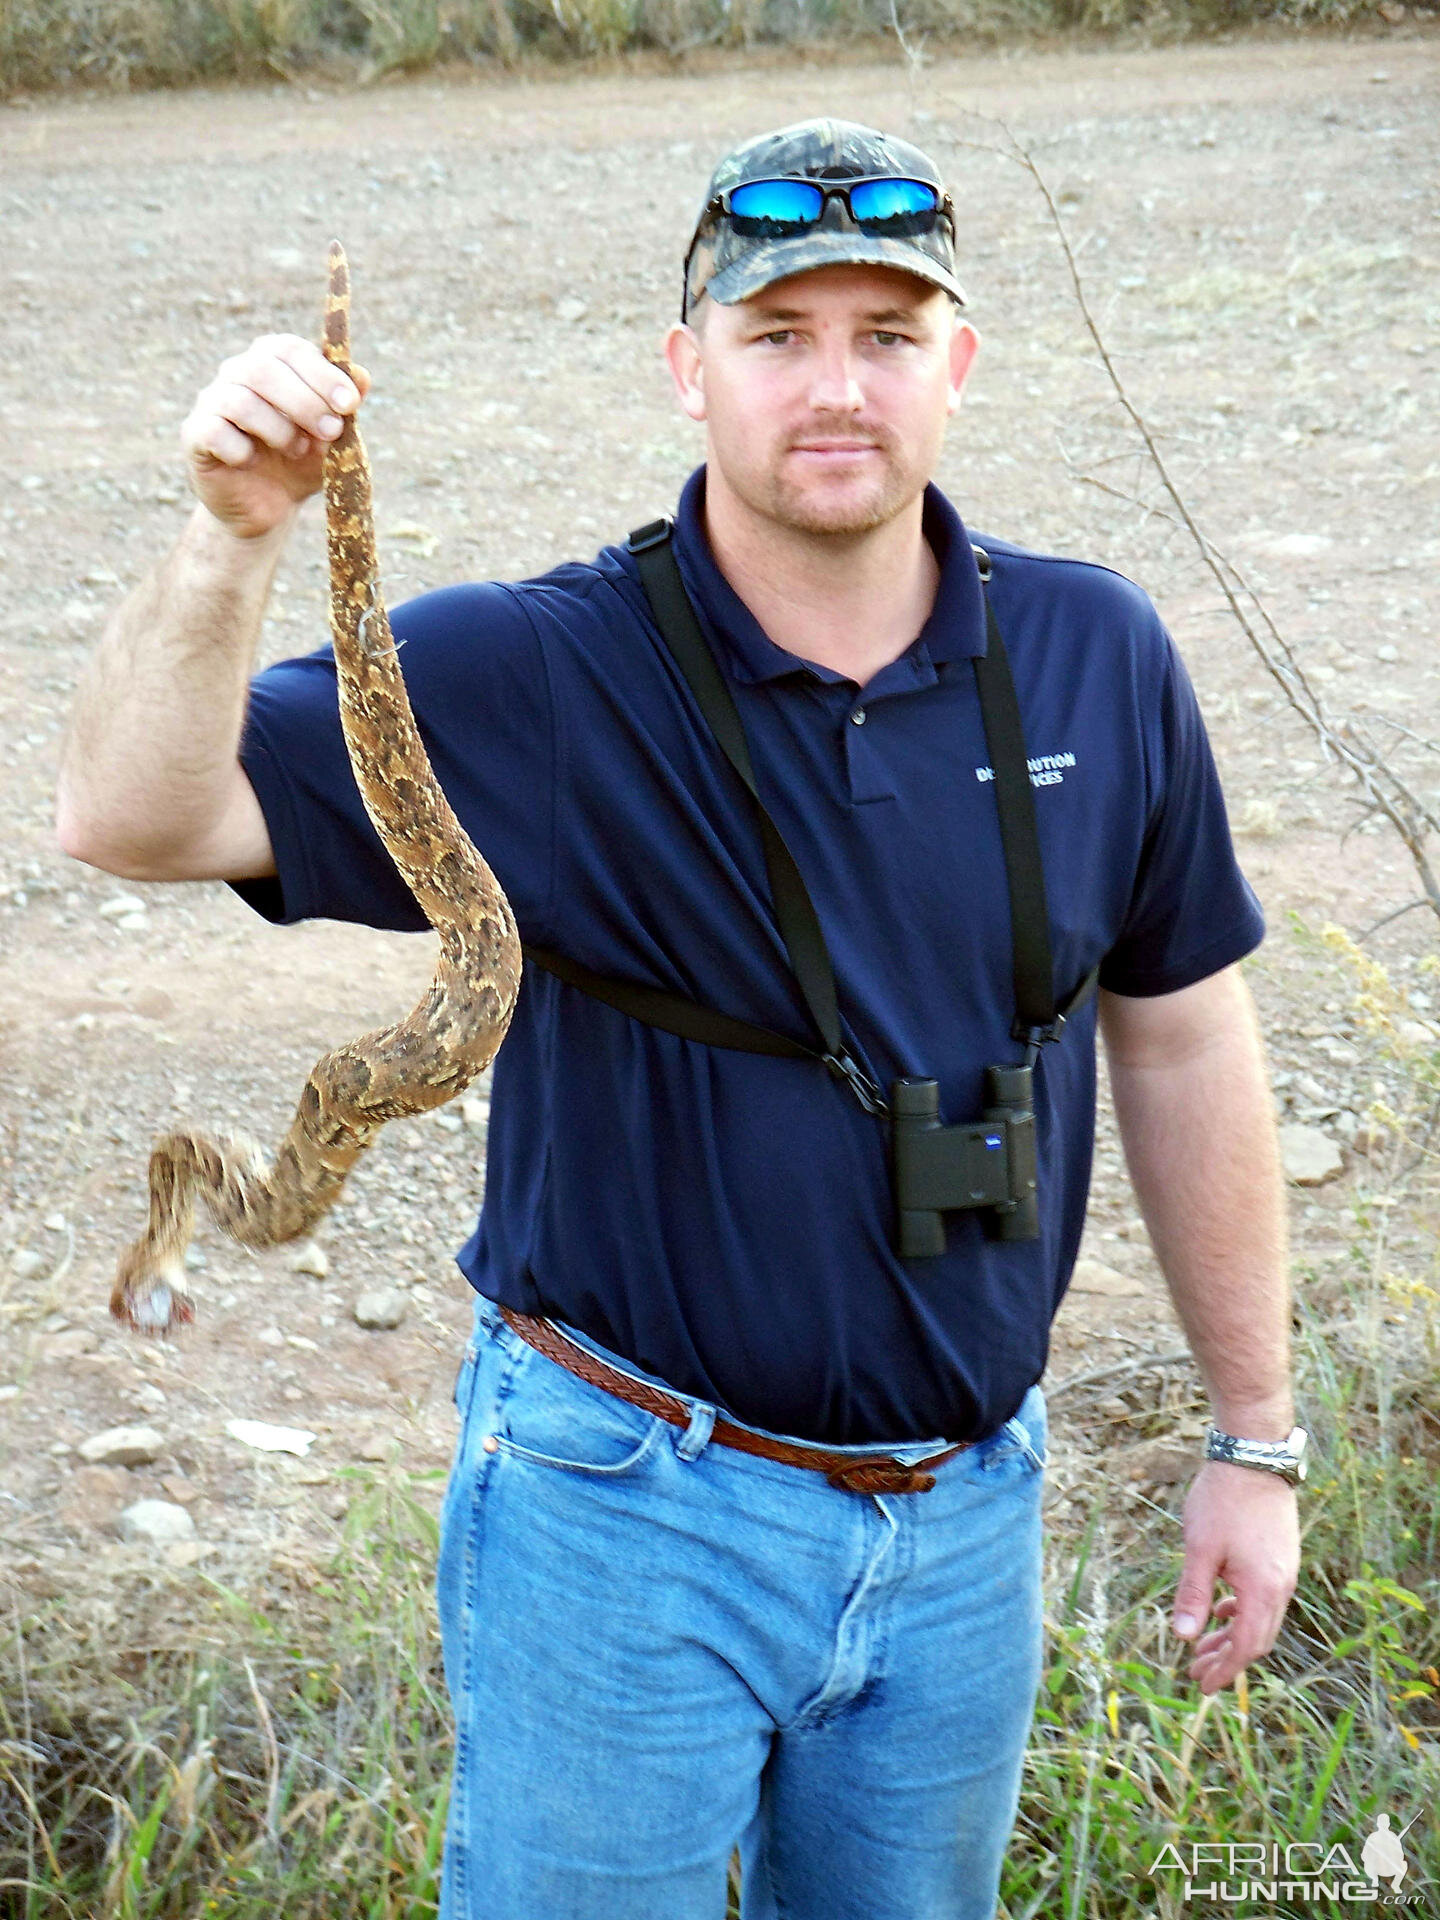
(696, 1436)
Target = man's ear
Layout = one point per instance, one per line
(964, 345)
(682, 354)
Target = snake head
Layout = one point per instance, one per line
(153, 1300)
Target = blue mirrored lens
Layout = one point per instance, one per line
(791, 203)
(876, 200)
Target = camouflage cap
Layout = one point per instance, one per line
(730, 266)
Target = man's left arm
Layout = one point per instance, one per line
(1191, 1093)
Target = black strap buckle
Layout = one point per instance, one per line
(654, 533)
(854, 1076)
(1035, 1039)
(1038, 1037)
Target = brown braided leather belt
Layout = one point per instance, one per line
(880, 1475)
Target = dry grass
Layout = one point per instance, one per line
(148, 43)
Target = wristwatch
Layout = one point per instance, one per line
(1285, 1457)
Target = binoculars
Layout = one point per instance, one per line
(987, 1166)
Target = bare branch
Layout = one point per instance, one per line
(1387, 793)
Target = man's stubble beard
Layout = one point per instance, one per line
(801, 512)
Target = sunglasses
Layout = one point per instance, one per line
(770, 209)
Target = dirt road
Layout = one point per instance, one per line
(1260, 233)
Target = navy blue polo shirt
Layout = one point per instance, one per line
(720, 1219)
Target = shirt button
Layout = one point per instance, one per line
(490, 1443)
(857, 718)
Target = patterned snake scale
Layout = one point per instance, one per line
(455, 1031)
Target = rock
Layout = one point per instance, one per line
(1342, 1052)
(1415, 1033)
(1259, 819)
(1300, 546)
(475, 1114)
(375, 1447)
(1093, 1276)
(1309, 1157)
(447, 1122)
(133, 922)
(159, 1521)
(55, 1223)
(25, 1263)
(1160, 1463)
(123, 1447)
(1391, 12)
(78, 614)
(120, 903)
(91, 1497)
(268, 1439)
(310, 1258)
(270, 1337)
(381, 1308)
(571, 310)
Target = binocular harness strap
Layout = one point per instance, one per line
(1037, 1017)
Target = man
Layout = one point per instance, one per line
(694, 1588)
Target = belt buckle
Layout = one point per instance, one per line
(881, 1476)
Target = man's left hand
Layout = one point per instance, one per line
(1243, 1526)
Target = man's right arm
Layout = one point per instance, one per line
(151, 785)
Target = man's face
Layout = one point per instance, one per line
(825, 396)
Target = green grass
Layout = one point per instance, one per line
(286, 1756)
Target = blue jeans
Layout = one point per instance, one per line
(658, 1647)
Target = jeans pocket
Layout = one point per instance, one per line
(460, 1392)
(1022, 1444)
(555, 1419)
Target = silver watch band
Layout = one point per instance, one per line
(1285, 1457)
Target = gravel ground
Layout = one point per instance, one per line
(1257, 225)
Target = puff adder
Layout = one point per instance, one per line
(454, 1032)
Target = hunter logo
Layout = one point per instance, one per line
(1046, 769)
(1292, 1869)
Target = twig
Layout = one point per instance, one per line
(1141, 1364)
(1409, 907)
(28, 1791)
(1386, 791)
(272, 1751)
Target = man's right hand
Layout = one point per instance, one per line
(255, 440)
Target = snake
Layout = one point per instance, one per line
(454, 1031)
